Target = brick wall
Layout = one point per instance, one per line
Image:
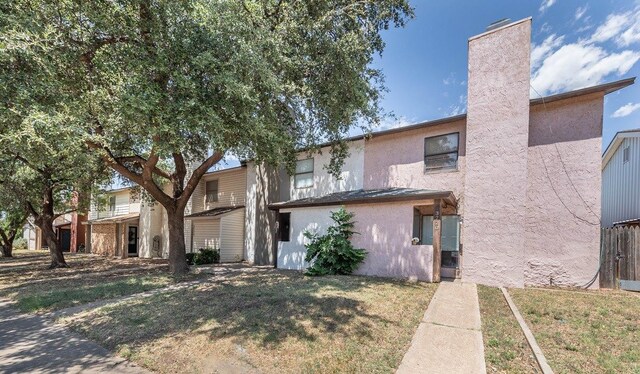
(103, 239)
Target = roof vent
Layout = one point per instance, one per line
(499, 23)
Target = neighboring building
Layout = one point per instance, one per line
(507, 194)
(621, 180)
(215, 214)
(125, 226)
(69, 229)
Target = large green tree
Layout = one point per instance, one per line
(165, 89)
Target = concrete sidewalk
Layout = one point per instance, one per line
(449, 338)
(33, 344)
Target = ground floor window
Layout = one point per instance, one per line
(284, 226)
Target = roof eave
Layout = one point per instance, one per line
(448, 196)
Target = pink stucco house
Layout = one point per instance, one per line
(506, 194)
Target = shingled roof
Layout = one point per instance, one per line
(214, 212)
(367, 196)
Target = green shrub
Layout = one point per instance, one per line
(190, 258)
(333, 252)
(20, 243)
(206, 256)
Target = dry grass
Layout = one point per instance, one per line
(505, 348)
(89, 278)
(266, 321)
(584, 331)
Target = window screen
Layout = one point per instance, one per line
(284, 225)
(441, 152)
(304, 173)
(211, 191)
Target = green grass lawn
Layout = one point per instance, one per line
(505, 348)
(266, 321)
(584, 331)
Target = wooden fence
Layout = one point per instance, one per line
(619, 256)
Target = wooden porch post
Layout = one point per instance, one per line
(437, 231)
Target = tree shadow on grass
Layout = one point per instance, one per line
(268, 306)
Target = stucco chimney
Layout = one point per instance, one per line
(496, 155)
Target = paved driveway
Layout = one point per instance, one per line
(31, 343)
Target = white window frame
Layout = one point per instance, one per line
(211, 197)
(298, 174)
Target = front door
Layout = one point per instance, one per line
(450, 243)
(132, 247)
(65, 240)
(450, 265)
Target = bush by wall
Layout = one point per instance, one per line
(333, 252)
(206, 256)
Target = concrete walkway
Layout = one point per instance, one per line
(449, 338)
(34, 344)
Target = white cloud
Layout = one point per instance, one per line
(623, 28)
(579, 65)
(457, 108)
(625, 110)
(451, 79)
(542, 51)
(546, 4)
(396, 123)
(560, 67)
(581, 11)
(545, 28)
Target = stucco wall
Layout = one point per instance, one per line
(103, 239)
(323, 182)
(291, 254)
(385, 232)
(563, 192)
(496, 156)
(397, 160)
(150, 225)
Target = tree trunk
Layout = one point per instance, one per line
(177, 250)
(7, 243)
(7, 250)
(49, 235)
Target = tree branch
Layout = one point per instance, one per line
(197, 175)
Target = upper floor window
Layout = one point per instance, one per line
(626, 154)
(211, 191)
(112, 203)
(304, 173)
(441, 152)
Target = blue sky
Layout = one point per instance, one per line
(574, 44)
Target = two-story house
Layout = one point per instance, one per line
(621, 180)
(506, 194)
(215, 215)
(112, 228)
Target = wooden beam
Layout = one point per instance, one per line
(437, 235)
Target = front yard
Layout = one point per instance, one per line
(584, 331)
(27, 281)
(266, 321)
